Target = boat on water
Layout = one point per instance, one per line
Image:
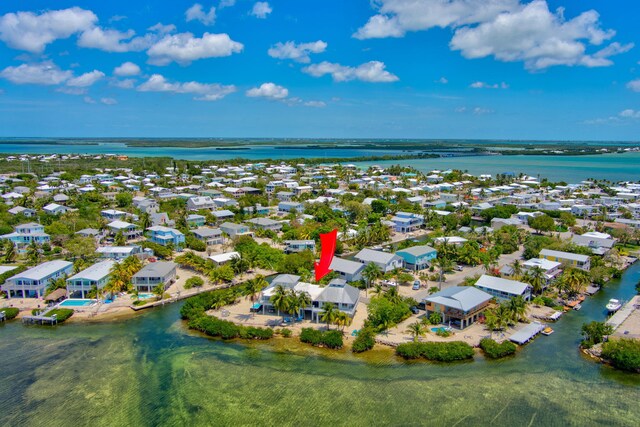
(547, 331)
(613, 305)
(577, 306)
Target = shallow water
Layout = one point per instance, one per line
(150, 370)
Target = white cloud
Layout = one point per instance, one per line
(442, 80)
(86, 79)
(89, 100)
(261, 9)
(184, 48)
(268, 90)
(396, 17)
(630, 114)
(72, 90)
(31, 32)
(204, 91)
(226, 3)
(507, 30)
(297, 52)
(123, 84)
(537, 37)
(634, 85)
(197, 13)
(483, 85)
(480, 111)
(127, 69)
(108, 101)
(45, 73)
(162, 29)
(110, 40)
(372, 71)
(316, 104)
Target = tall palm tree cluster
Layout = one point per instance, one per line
(331, 315)
(506, 314)
(121, 273)
(288, 301)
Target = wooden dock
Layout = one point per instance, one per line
(41, 319)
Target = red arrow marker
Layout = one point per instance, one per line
(328, 247)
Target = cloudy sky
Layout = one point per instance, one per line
(505, 69)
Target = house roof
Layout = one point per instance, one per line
(227, 256)
(417, 250)
(462, 298)
(346, 266)
(95, 272)
(156, 269)
(338, 292)
(502, 285)
(43, 270)
(369, 255)
(564, 255)
(207, 232)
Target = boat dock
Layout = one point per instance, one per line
(41, 319)
(622, 314)
(527, 333)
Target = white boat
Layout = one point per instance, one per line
(613, 305)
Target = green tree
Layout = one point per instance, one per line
(542, 223)
(416, 330)
(124, 199)
(371, 273)
(9, 252)
(328, 314)
(594, 332)
(536, 278)
(280, 299)
(33, 253)
(119, 239)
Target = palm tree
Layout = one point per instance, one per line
(343, 319)
(145, 220)
(377, 289)
(33, 253)
(9, 251)
(575, 281)
(518, 308)
(329, 313)
(255, 286)
(119, 239)
(392, 295)
(371, 273)
(416, 330)
(516, 266)
(280, 299)
(536, 278)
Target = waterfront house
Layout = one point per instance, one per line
(34, 282)
(24, 234)
(350, 271)
(95, 276)
(582, 262)
(417, 257)
(406, 222)
(235, 230)
(551, 269)
(154, 274)
(291, 246)
(385, 261)
(458, 306)
(503, 289)
(210, 236)
(599, 243)
(451, 240)
(165, 236)
(118, 252)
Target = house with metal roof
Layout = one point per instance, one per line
(118, 252)
(154, 274)
(33, 282)
(406, 222)
(351, 271)
(503, 289)
(128, 230)
(458, 306)
(384, 260)
(165, 236)
(95, 276)
(24, 234)
(582, 262)
(221, 259)
(235, 230)
(599, 245)
(417, 257)
(210, 236)
(265, 224)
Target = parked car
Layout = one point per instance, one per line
(416, 285)
(414, 310)
(459, 268)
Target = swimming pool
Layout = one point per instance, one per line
(145, 296)
(76, 302)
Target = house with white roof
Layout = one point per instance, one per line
(384, 260)
(24, 234)
(503, 289)
(128, 230)
(118, 252)
(348, 270)
(221, 259)
(93, 277)
(210, 236)
(34, 282)
(154, 274)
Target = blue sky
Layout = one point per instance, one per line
(504, 69)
